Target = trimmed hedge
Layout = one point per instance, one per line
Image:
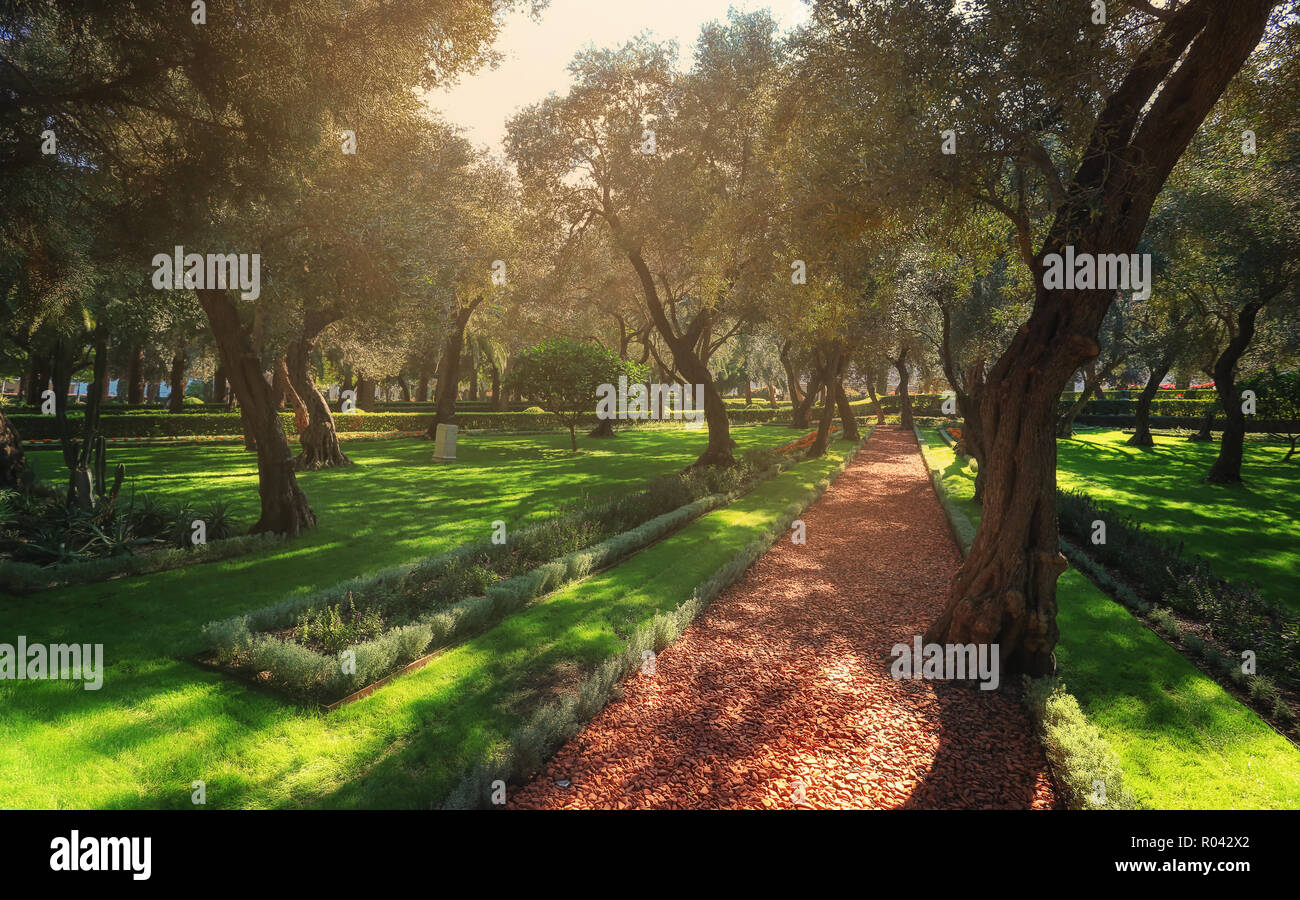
(209, 424)
(308, 674)
(311, 675)
(1159, 573)
(26, 578)
(963, 530)
(1086, 768)
(1162, 394)
(1253, 425)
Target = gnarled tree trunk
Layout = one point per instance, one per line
(847, 420)
(135, 377)
(1005, 591)
(1204, 434)
(13, 464)
(791, 380)
(830, 369)
(284, 506)
(365, 391)
(718, 451)
(449, 368)
(1227, 467)
(83, 485)
(282, 386)
(1093, 377)
(688, 358)
(317, 436)
(802, 413)
(34, 379)
(1142, 427)
(422, 385)
(904, 399)
(875, 402)
(824, 425)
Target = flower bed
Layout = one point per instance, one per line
(390, 619)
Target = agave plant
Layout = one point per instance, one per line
(47, 546)
(219, 521)
(149, 516)
(115, 538)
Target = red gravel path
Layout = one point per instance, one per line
(780, 694)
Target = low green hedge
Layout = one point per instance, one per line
(207, 424)
(1163, 394)
(1086, 767)
(26, 578)
(1254, 425)
(250, 640)
(428, 406)
(308, 674)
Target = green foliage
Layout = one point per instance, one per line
(549, 725)
(1154, 708)
(337, 627)
(1277, 395)
(563, 376)
(43, 529)
(28, 578)
(1237, 614)
(461, 592)
(213, 424)
(1084, 764)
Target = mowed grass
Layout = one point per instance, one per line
(393, 506)
(1183, 741)
(1248, 532)
(161, 722)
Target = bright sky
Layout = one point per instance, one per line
(536, 52)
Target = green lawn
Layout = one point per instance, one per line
(1183, 741)
(161, 722)
(393, 507)
(1249, 532)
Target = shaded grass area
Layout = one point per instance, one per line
(161, 722)
(1184, 742)
(1248, 532)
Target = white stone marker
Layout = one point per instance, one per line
(444, 444)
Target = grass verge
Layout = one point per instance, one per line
(551, 725)
(1182, 740)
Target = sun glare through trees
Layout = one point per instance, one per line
(556, 405)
